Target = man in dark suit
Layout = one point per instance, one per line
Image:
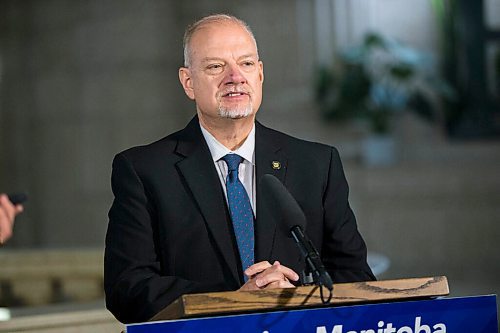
(187, 215)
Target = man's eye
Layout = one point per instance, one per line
(215, 68)
(248, 66)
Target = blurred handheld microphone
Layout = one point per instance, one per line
(283, 207)
(17, 198)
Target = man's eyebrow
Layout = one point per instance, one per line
(209, 59)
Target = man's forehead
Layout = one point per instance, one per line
(219, 40)
(216, 32)
(216, 25)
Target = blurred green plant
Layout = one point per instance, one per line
(448, 23)
(377, 79)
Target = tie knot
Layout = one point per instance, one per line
(233, 161)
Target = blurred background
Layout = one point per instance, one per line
(408, 91)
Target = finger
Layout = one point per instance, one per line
(276, 272)
(268, 277)
(257, 268)
(279, 285)
(8, 207)
(288, 272)
(5, 226)
(18, 209)
(276, 279)
(249, 285)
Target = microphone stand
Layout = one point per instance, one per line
(315, 270)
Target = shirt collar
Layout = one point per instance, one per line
(218, 150)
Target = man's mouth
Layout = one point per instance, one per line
(234, 94)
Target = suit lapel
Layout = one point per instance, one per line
(270, 159)
(201, 177)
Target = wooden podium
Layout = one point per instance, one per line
(391, 306)
(277, 299)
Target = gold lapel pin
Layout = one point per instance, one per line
(276, 165)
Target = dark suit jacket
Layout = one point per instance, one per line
(170, 232)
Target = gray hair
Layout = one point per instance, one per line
(216, 18)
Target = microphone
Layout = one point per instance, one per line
(284, 207)
(17, 198)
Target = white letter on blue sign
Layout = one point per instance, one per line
(336, 329)
(442, 328)
(421, 329)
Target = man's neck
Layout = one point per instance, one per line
(232, 133)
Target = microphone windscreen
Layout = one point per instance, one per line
(17, 198)
(281, 204)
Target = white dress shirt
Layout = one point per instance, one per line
(246, 171)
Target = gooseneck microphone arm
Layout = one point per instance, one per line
(284, 208)
(311, 257)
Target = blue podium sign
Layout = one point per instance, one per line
(476, 314)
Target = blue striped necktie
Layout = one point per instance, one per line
(240, 210)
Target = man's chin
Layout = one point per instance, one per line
(235, 114)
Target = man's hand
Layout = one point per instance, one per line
(263, 275)
(8, 212)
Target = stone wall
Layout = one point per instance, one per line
(82, 81)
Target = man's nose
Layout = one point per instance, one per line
(234, 75)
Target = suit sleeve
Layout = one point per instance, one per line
(134, 285)
(344, 251)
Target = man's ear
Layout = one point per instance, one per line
(261, 71)
(186, 81)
